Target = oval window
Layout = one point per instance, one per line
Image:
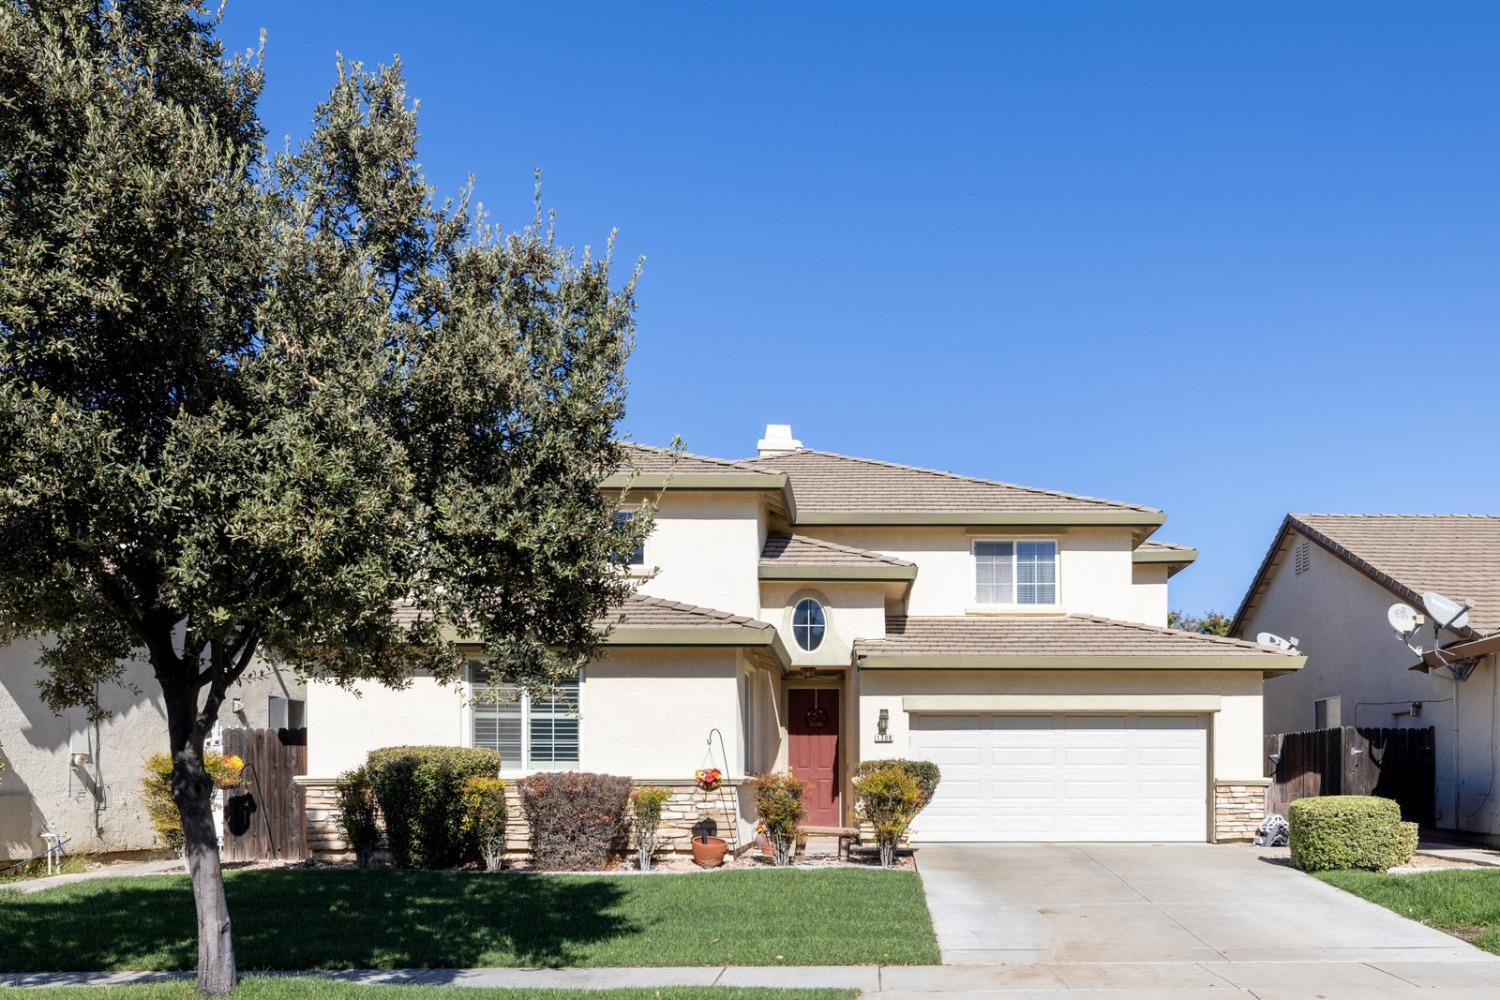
(808, 624)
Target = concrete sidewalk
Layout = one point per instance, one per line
(124, 870)
(1454, 980)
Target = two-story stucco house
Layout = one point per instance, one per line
(1329, 579)
(816, 610)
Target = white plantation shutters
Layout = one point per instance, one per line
(994, 566)
(1016, 573)
(1036, 572)
(529, 732)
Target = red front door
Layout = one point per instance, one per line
(813, 730)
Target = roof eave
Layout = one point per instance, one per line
(757, 481)
(1269, 664)
(764, 638)
(853, 518)
(867, 574)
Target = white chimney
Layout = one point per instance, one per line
(778, 441)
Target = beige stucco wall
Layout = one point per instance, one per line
(853, 611)
(1148, 594)
(1234, 730)
(704, 549)
(1338, 614)
(1095, 572)
(97, 805)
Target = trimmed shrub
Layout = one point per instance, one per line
(484, 818)
(1349, 831)
(925, 772)
(780, 801)
(889, 798)
(418, 790)
(577, 819)
(645, 820)
(156, 791)
(356, 803)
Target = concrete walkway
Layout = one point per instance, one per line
(1106, 981)
(124, 870)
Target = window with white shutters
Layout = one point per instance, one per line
(537, 732)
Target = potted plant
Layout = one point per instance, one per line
(709, 778)
(708, 852)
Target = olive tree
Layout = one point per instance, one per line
(251, 403)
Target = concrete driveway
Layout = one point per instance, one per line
(1183, 917)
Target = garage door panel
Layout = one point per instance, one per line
(1064, 777)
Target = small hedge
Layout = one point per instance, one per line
(420, 794)
(356, 804)
(781, 802)
(925, 772)
(578, 820)
(1349, 831)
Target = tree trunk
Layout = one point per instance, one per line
(193, 791)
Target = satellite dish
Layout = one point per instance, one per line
(1272, 639)
(1446, 613)
(1404, 619)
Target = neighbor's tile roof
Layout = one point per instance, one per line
(824, 482)
(640, 611)
(1456, 554)
(799, 550)
(1064, 635)
(645, 459)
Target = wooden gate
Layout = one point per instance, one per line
(265, 818)
(1392, 763)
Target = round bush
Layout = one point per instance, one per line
(925, 772)
(419, 791)
(1349, 831)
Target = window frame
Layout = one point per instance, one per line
(822, 635)
(632, 564)
(527, 766)
(1333, 705)
(1015, 584)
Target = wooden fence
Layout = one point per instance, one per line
(266, 817)
(1392, 763)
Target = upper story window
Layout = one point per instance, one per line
(530, 732)
(1015, 573)
(638, 556)
(808, 624)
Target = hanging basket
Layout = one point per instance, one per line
(708, 778)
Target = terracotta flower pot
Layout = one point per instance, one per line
(708, 852)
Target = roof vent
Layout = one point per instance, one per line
(778, 441)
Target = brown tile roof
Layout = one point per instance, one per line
(1063, 635)
(1456, 554)
(640, 611)
(645, 459)
(825, 483)
(799, 550)
(1151, 545)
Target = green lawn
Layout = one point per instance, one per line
(340, 919)
(1462, 902)
(265, 988)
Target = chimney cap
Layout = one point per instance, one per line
(778, 441)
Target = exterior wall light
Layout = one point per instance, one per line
(882, 727)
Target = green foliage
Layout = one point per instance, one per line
(1335, 832)
(420, 794)
(321, 988)
(577, 819)
(484, 817)
(926, 773)
(780, 803)
(1209, 623)
(889, 798)
(357, 816)
(156, 791)
(230, 381)
(645, 821)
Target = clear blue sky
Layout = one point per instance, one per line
(1226, 260)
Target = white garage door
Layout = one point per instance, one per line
(1064, 777)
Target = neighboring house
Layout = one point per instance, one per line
(808, 611)
(82, 778)
(1329, 579)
